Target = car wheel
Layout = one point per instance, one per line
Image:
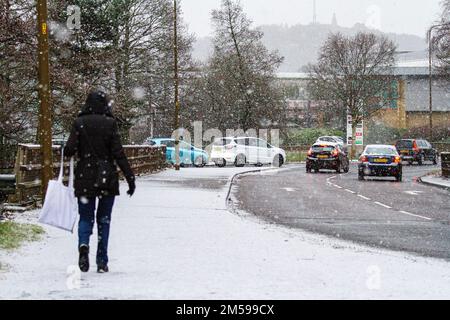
(410, 163)
(421, 160)
(199, 162)
(240, 161)
(399, 177)
(361, 177)
(347, 169)
(222, 164)
(435, 160)
(278, 161)
(308, 169)
(339, 168)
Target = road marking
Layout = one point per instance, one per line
(363, 197)
(329, 180)
(415, 215)
(383, 205)
(350, 191)
(290, 189)
(339, 187)
(414, 193)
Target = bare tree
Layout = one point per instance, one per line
(124, 47)
(441, 41)
(18, 101)
(354, 75)
(237, 84)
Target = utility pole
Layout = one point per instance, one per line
(45, 120)
(176, 81)
(314, 12)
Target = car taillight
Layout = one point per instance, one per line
(397, 159)
(415, 147)
(363, 159)
(310, 152)
(335, 153)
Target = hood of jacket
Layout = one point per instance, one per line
(97, 102)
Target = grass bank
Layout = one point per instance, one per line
(296, 156)
(13, 235)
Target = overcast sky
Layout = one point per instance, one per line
(399, 16)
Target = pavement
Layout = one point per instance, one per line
(177, 239)
(436, 181)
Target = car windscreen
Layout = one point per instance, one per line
(168, 143)
(222, 142)
(380, 151)
(323, 148)
(407, 144)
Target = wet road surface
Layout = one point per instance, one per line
(406, 216)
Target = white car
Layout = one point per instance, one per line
(245, 150)
(333, 139)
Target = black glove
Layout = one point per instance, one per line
(132, 187)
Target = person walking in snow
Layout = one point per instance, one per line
(95, 139)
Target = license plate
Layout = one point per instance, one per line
(380, 160)
(404, 152)
(323, 157)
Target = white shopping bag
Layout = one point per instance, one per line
(60, 207)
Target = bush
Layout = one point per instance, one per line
(378, 133)
(309, 136)
(440, 133)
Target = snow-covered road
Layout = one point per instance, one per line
(176, 240)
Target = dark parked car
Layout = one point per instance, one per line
(327, 156)
(380, 161)
(412, 150)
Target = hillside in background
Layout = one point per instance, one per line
(300, 44)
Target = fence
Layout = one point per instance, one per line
(445, 157)
(143, 160)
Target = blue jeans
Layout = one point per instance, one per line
(86, 208)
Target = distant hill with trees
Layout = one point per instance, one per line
(300, 44)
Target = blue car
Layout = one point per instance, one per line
(189, 155)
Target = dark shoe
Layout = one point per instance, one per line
(102, 269)
(83, 262)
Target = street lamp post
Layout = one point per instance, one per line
(430, 66)
(176, 83)
(45, 116)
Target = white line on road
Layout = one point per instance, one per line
(415, 215)
(383, 205)
(363, 197)
(329, 180)
(290, 189)
(414, 193)
(336, 186)
(350, 191)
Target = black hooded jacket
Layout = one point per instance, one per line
(97, 124)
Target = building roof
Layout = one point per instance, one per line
(292, 75)
(418, 67)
